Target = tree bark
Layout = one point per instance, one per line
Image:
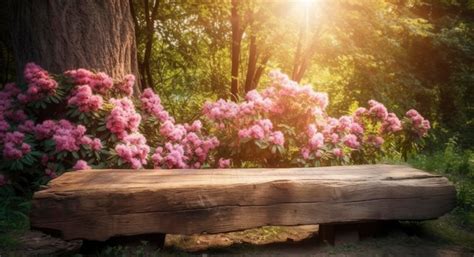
(67, 34)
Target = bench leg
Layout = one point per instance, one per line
(342, 233)
(336, 234)
(156, 240)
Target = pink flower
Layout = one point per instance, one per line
(223, 163)
(133, 150)
(27, 126)
(126, 86)
(356, 128)
(378, 110)
(4, 126)
(50, 173)
(350, 140)
(316, 141)
(419, 124)
(196, 126)
(337, 152)
(83, 98)
(40, 84)
(360, 112)
(391, 123)
(221, 110)
(311, 130)
(45, 129)
(305, 152)
(151, 104)
(81, 165)
(171, 131)
(171, 157)
(123, 119)
(277, 138)
(344, 123)
(262, 129)
(334, 138)
(99, 82)
(378, 141)
(412, 113)
(67, 136)
(96, 144)
(14, 147)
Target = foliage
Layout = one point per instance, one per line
(457, 165)
(353, 50)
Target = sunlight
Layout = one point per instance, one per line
(305, 3)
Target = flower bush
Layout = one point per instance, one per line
(287, 125)
(81, 119)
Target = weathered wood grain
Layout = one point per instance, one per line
(99, 204)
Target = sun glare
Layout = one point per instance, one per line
(306, 3)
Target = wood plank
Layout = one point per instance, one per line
(99, 204)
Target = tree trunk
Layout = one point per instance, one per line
(260, 69)
(252, 64)
(236, 41)
(67, 34)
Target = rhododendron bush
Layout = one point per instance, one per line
(83, 119)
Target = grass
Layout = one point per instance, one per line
(13, 217)
(458, 166)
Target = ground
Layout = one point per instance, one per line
(442, 237)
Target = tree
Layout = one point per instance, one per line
(145, 28)
(62, 35)
(237, 32)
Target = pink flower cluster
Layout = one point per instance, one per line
(185, 148)
(151, 104)
(221, 110)
(378, 110)
(40, 84)
(99, 82)
(126, 86)
(420, 125)
(171, 156)
(260, 130)
(391, 123)
(282, 87)
(83, 98)
(7, 112)
(223, 163)
(81, 165)
(67, 136)
(172, 132)
(336, 136)
(184, 145)
(282, 97)
(133, 150)
(14, 147)
(123, 119)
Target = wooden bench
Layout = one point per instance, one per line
(101, 204)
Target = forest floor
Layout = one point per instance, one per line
(442, 237)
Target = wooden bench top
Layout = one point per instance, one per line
(99, 204)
